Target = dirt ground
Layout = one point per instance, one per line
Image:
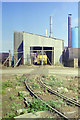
(11, 73)
(34, 69)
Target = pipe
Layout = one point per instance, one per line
(51, 26)
(46, 32)
(69, 30)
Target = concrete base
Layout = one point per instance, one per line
(75, 62)
(41, 114)
(72, 63)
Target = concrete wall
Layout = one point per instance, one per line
(37, 40)
(69, 56)
(18, 38)
(30, 40)
(71, 53)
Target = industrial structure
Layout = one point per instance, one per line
(27, 44)
(31, 48)
(71, 54)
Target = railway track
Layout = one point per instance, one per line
(52, 108)
(59, 95)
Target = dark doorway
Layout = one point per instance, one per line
(49, 51)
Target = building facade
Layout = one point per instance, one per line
(27, 43)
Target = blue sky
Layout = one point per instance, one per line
(34, 17)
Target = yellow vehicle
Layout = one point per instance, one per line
(39, 56)
(39, 59)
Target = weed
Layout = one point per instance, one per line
(24, 110)
(31, 80)
(17, 77)
(3, 92)
(20, 79)
(6, 84)
(9, 115)
(12, 97)
(71, 88)
(52, 78)
(46, 90)
(18, 84)
(76, 97)
(35, 86)
(57, 103)
(53, 81)
(13, 106)
(44, 76)
(36, 105)
(70, 80)
(21, 96)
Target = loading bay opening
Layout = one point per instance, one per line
(47, 52)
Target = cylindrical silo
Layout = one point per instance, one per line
(74, 37)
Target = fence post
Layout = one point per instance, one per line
(9, 58)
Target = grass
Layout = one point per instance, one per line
(53, 81)
(13, 101)
(12, 97)
(57, 104)
(21, 96)
(31, 80)
(6, 84)
(71, 88)
(44, 76)
(36, 105)
(35, 86)
(15, 106)
(9, 116)
(19, 80)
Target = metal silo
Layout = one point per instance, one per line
(74, 37)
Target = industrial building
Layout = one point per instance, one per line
(71, 54)
(26, 44)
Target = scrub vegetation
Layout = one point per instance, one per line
(11, 85)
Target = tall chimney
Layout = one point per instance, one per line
(69, 30)
(46, 32)
(51, 26)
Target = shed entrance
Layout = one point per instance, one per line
(47, 51)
